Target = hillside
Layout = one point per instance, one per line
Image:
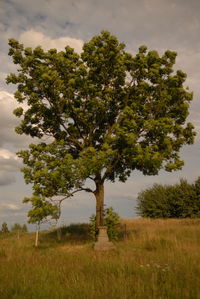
(156, 259)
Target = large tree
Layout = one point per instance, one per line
(106, 112)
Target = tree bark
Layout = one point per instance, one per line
(99, 194)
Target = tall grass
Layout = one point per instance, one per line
(157, 259)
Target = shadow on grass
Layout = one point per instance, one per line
(73, 233)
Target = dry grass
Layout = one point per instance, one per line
(158, 259)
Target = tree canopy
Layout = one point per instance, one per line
(105, 111)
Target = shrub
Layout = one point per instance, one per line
(170, 201)
(111, 220)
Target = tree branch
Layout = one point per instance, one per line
(111, 167)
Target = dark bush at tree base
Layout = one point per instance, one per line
(170, 201)
(111, 220)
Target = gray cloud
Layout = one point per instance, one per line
(158, 22)
(12, 213)
(12, 209)
(9, 165)
(6, 178)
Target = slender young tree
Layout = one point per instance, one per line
(106, 112)
(18, 229)
(41, 211)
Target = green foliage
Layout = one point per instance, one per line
(93, 227)
(41, 210)
(4, 228)
(170, 201)
(106, 112)
(111, 220)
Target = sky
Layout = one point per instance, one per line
(159, 24)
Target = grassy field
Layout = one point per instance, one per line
(157, 259)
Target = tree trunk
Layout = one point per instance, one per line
(99, 194)
(102, 242)
(36, 238)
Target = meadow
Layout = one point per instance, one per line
(154, 259)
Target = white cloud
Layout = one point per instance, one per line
(9, 206)
(6, 154)
(32, 38)
(8, 122)
(9, 163)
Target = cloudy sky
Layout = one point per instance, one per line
(159, 24)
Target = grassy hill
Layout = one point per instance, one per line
(156, 259)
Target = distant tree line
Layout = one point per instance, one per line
(181, 200)
(4, 228)
(15, 228)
